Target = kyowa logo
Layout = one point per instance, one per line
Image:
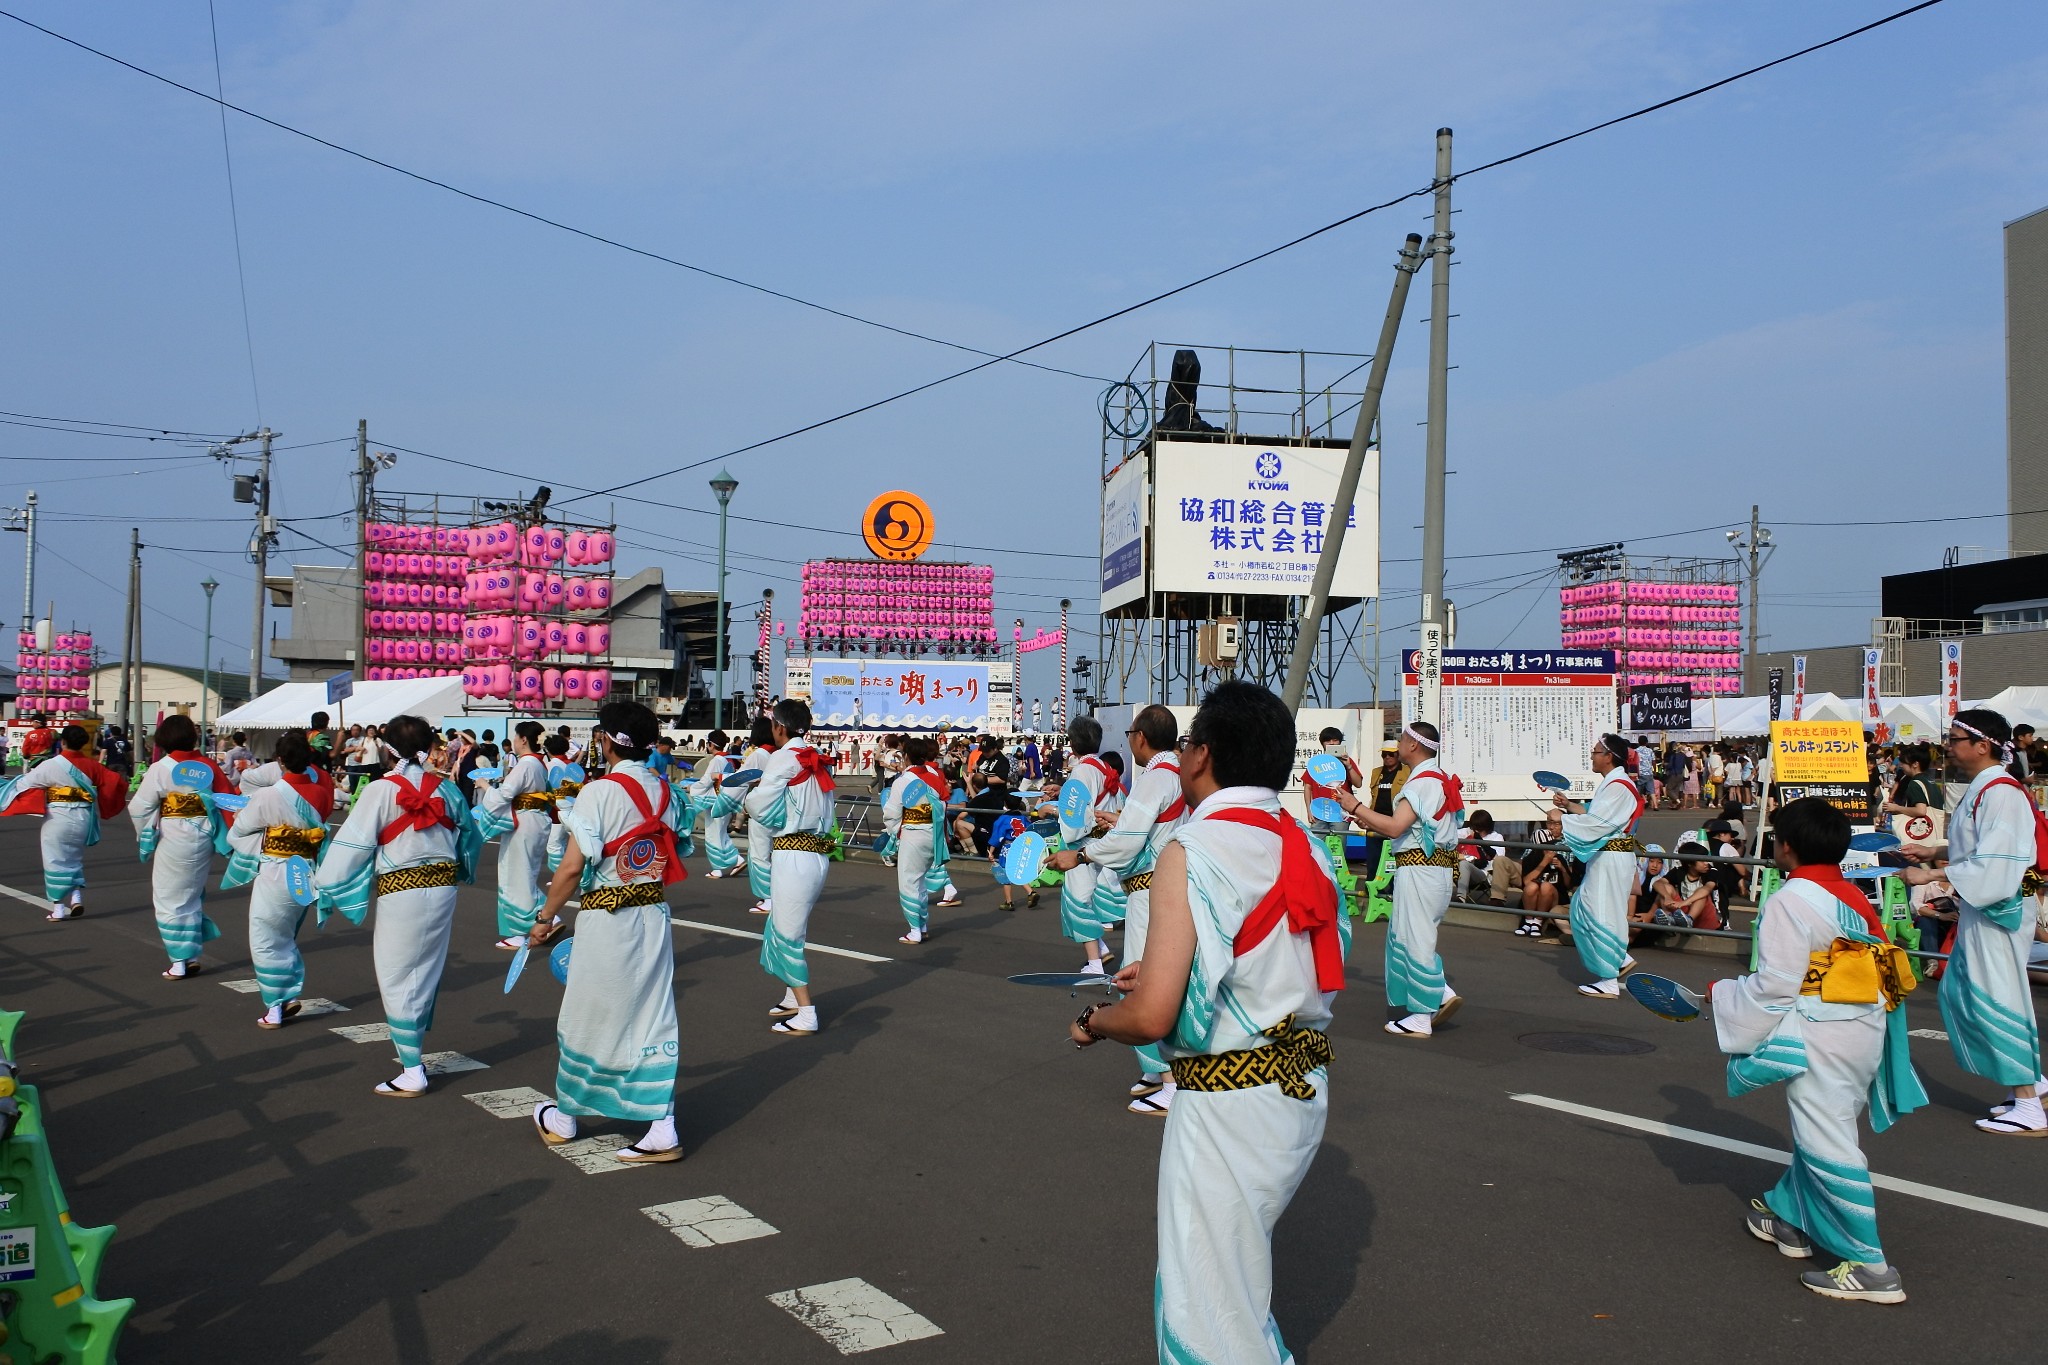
(1267, 468)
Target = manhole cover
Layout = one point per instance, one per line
(1586, 1044)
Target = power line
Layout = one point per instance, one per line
(234, 212)
(119, 435)
(1284, 246)
(126, 426)
(516, 211)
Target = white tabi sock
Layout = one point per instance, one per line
(274, 1015)
(952, 893)
(177, 969)
(1102, 945)
(2027, 1112)
(412, 1078)
(1152, 1077)
(76, 898)
(560, 1124)
(789, 1000)
(806, 1018)
(660, 1135)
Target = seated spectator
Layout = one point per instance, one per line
(1698, 891)
(1656, 901)
(1476, 858)
(1933, 906)
(1548, 876)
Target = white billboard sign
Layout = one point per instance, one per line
(1507, 713)
(1237, 517)
(1123, 535)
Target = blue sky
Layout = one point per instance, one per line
(1787, 292)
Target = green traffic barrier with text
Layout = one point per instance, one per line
(49, 1265)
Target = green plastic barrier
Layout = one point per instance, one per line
(1895, 908)
(49, 1266)
(1340, 868)
(1380, 900)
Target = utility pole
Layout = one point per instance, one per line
(24, 519)
(363, 475)
(261, 554)
(1758, 547)
(1311, 623)
(1439, 252)
(131, 646)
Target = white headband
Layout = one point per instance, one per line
(622, 741)
(2004, 745)
(1429, 744)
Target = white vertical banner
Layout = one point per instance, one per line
(1951, 680)
(1429, 676)
(1798, 687)
(1873, 709)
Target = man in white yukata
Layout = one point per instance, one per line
(726, 859)
(794, 798)
(285, 818)
(409, 840)
(565, 779)
(1130, 852)
(913, 816)
(178, 829)
(1424, 830)
(617, 1030)
(760, 839)
(518, 808)
(1987, 1004)
(1825, 1012)
(72, 794)
(1243, 956)
(1601, 834)
(1080, 908)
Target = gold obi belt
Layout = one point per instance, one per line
(76, 796)
(285, 841)
(416, 878)
(1286, 1063)
(1851, 973)
(917, 815)
(184, 806)
(534, 801)
(620, 897)
(1415, 857)
(805, 843)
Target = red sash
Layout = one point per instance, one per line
(1302, 894)
(1112, 785)
(1829, 878)
(1180, 803)
(317, 792)
(815, 768)
(1635, 794)
(111, 791)
(651, 826)
(419, 808)
(1454, 792)
(934, 779)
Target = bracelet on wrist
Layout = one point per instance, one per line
(1088, 1028)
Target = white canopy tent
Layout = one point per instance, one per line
(1914, 720)
(1743, 717)
(2020, 705)
(292, 705)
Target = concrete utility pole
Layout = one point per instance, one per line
(1439, 252)
(1347, 486)
(24, 519)
(131, 646)
(1759, 548)
(364, 472)
(261, 548)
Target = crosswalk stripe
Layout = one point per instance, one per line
(854, 1316)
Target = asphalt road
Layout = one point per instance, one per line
(941, 1143)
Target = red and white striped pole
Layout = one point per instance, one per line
(1060, 705)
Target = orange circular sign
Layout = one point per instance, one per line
(897, 527)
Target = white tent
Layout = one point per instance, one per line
(373, 703)
(2021, 705)
(1914, 720)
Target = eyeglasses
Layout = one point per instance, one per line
(1959, 739)
(1183, 744)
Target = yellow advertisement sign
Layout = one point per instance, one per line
(1817, 751)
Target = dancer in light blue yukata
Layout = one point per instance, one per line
(760, 839)
(1243, 958)
(913, 814)
(286, 817)
(519, 809)
(794, 797)
(1987, 1004)
(1424, 830)
(565, 789)
(179, 829)
(1601, 834)
(1080, 917)
(72, 793)
(1824, 1013)
(408, 841)
(617, 1029)
(726, 860)
(1125, 858)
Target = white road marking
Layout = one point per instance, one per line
(854, 1316)
(247, 985)
(711, 1221)
(316, 1006)
(593, 1156)
(516, 1103)
(448, 1063)
(365, 1033)
(808, 947)
(1974, 1203)
(25, 898)
(1936, 1034)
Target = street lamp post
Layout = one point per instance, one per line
(206, 659)
(724, 485)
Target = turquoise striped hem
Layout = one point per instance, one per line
(783, 958)
(514, 918)
(1077, 917)
(1989, 1039)
(409, 1036)
(279, 984)
(1411, 985)
(757, 878)
(58, 885)
(1601, 950)
(915, 912)
(1832, 1203)
(585, 1087)
(183, 941)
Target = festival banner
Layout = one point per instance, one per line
(903, 694)
(1873, 708)
(1951, 680)
(1799, 687)
(1777, 693)
(1817, 751)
